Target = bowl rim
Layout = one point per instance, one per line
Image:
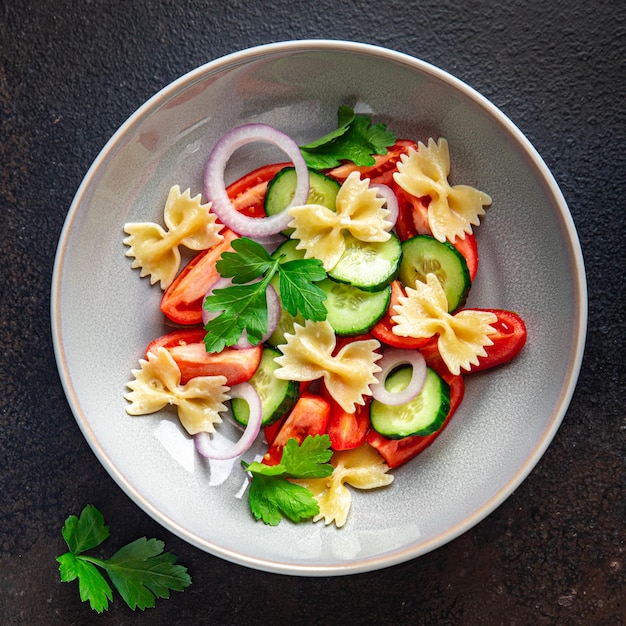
(241, 57)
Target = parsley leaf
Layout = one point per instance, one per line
(298, 293)
(356, 139)
(244, 306)
(271, 498)
(247, 263)
(85, 532)
(140, 571)
(92, 586)
(272, 495)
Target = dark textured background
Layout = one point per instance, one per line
(72, 71)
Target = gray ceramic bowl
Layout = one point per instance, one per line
(530, 262)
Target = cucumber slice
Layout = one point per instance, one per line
(422, 416)
(424, 254)
(277, 396)
(368, 266)
(288, 250)
(352, 311)
(322, 190)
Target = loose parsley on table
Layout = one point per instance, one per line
(356, 139)
(243, 305)
(271, 493)
(140, 571)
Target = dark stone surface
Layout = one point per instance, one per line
(72, 71)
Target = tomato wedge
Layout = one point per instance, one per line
(398, 451)
(188, 350)
(508, 340)
(346, 430)
(248, 192)
(182, 300)
(468, 247)
(308, 417)
(412, 214)
(383, 163)
(383, 329)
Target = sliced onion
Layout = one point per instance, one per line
(215, 185)
(273, 312)
(386, 193)
(203, 443)
(392, 359)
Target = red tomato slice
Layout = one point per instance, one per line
(308, 417)
(188, 350)
(271, 431)
(468, 247)
(399, 451)
(412, 214)
(508, 340)
(383, 329)
(248, 192)
(384, 163)
(346, 430)
(181, 337)
(182, 300)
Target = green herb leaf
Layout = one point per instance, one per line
(298, 292)
(356, 140)
(309, 459)
(92, 586)
(249, 261)
(140, 571)
(345, 117)
(272, 495)
(271, 498)
(244, 306)
(86, 532)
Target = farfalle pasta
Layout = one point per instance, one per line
(452, 210)
(155, 250)
(362, 468)
(308, 355)
(359, 212)
(423, 313)
(157, 385)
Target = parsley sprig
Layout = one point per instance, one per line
(356, 139)
(272, 495)
(140, 571)
(243, 305)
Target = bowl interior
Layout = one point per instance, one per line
(530, 263)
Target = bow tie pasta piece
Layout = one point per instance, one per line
(423, 313)
(359, 211)
(453, 210)
(308, 355)
(157, 385)
(362, 468)
(155, 250)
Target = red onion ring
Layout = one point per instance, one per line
(215, 186)
(202, 441)
(386, 193)
(273, 312)
(392, 359)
